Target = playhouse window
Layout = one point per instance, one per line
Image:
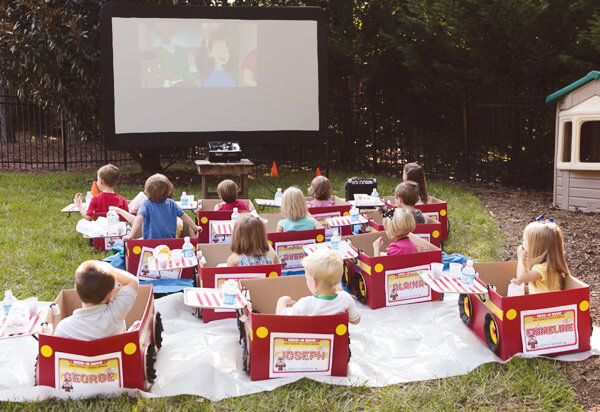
(567, 137)
(590, 142)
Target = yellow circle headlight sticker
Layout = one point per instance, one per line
(320, 238)
(130, 348)
(273, 275)
(511, 314)
(271, 242)
(341, 329)
(435, 234)
(443, 212)
(346, 213)
(46, 351)
(262, 332)
(379, 268)
(137, 250)
(203, 220)
(584, 305)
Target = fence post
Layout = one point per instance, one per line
(64, 141)
(466, 149)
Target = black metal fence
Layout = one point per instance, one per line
(506, 138)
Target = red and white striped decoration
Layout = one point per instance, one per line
(345, 221)
(267, 202)
(34, 325)
(210, 298)
(222, 228)
(346, 250)
(173, 264)
(445, 284)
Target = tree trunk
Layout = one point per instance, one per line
(4, 115)
(148, 160)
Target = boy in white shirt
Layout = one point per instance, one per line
(102, 314)
(324, 270)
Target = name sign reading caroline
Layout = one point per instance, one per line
(75, 373)
(549, 330)
(404, 286)
(300, 353)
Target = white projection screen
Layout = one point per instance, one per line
(184, 75)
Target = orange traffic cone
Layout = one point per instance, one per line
(318, 172)
(274, 172)
(95, 190)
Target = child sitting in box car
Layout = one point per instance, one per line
(320, 191)
(108, 177)
(158, 214)
(414, 172)
(407, 196)
(398, 227)
(324, 270)
(295, 212)
(249, 243)
(541, 258)
(102, 314)
(228, 193)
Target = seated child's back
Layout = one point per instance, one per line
(320, 191)
(407, 196)
(101, 315)
(228, 192)
(107, 178)
(324, 270)
(294, 210)
(249, 243)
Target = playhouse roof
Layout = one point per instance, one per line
(593, 75)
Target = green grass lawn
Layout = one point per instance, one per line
(40, 251)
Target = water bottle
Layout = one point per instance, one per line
(184, 200)
(235, 214)
(336, 239)
(375, 194)
(88, 197)
(354, 219)
(8, 301)
(187, 250)
(467, 275)
(112, 218)
(278, 196)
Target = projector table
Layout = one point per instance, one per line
(242, 169)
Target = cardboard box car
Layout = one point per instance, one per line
(125, 360)
(339, 208)
(214, 273)
(434, 208)
(277, 346)
(381, 281)
(536, 324)
(288, 245)
(207, 216)
(139, 250)
(431, 232)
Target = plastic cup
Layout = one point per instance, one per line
(436, 270)
(230, 290)
(455, 270)
(162, 259)
(33, 306)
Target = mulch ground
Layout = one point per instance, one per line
(514, 209)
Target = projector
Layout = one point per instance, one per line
(355, 185)
(224, 152)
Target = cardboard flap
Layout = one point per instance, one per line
(215, 254)
(421, 244)
(364, 241)
(139, 306)
(497, 274)
(264, 292)
(431, 200)
(272, 219)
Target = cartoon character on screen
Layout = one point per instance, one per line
(213, 58)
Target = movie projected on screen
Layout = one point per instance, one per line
(184, 75)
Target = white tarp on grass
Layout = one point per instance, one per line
(390, 345)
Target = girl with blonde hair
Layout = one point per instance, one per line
(541, 258)
(397, 227)
(295, 212)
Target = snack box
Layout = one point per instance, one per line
(431, 232)
(207, 215)
(276, 346)
(537, 324)
(214, 273)
(436, 209)
(139, 252)
(381, 281)
(125, 360)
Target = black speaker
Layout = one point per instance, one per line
(354, 185)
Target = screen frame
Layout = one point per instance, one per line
(127, 141)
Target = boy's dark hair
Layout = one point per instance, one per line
(158, 187)
(409, 192)
(93, 282)
(109, 174)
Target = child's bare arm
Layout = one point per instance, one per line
(80, 207)
(279, 228)
(355, 321)
(524, 275)
(135, 228)
(233, 259)
(191, 223)
(125, 278)
(126, 215)
(282, 303)
(377, 246)
(274, 257)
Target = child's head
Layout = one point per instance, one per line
(407, 192)
(227, 191)
(324, 269)
(109, 175)
(293, 204)
(249, 236)
(158, 187)
(415, 173)
(399, 225)
(544, 243)
(320, 188)
(94, 282)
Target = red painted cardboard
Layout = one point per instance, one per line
(206, 214)
(436, 208)
(431, 232)
(133, 250)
